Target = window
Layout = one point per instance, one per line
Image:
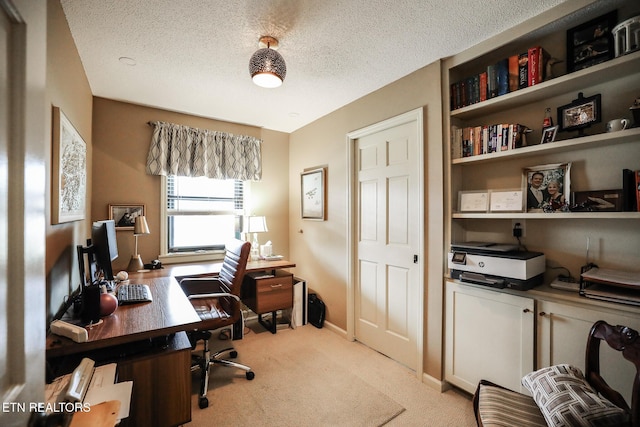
(201, 214)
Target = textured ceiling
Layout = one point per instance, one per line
(192, 56)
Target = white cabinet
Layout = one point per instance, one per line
(489, 335)
(562, 335)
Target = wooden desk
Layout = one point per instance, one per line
(170, 312)
(160, 371)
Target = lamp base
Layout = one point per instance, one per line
(135, 264)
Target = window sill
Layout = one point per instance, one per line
(192, 257)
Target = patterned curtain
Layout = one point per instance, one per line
(184, 151)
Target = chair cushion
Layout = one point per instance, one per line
(565, 398)
(499, 406)
(209, 309)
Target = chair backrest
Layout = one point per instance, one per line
(232, 271)
(625, 340)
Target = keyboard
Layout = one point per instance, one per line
(133, 293)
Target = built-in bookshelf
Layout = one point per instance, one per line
(539, 326)
(618, 82)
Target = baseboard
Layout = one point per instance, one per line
(336, 329)
(435, 384)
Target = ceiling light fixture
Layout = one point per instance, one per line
(266, 66)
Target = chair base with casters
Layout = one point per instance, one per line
(207, 359)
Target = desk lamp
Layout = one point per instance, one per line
(139, 227)
(255, 225)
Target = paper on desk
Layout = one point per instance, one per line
(618, 277)
(118, 391)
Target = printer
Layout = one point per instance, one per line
(496, 265)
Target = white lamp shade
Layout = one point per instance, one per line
(255, 224)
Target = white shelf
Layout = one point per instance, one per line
(569, 83)
(579, 143)
(554, 215)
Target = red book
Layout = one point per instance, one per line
(483, 86)
(533, 66)
(537, 58)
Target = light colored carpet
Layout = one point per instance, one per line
(313, 377)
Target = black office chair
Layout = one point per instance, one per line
(217, 302)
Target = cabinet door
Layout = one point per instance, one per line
(562, 338)
(489, 335)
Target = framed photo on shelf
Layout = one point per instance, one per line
(591, 43)
(580, 113)
(125, 215)
(506, 200)
(68, 171)
(549, 134)
(547, 187)
(313, 196)
(473, 201)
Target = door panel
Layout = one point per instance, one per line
(388, 222)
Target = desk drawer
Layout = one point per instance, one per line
(267, 294)
(274, 293)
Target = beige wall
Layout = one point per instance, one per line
(67, 88)
(121, 138)
(320, 248)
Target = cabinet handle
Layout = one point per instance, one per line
(542, 314)
(279, 285)
(526, 310)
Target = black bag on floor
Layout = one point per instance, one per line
(315, 311)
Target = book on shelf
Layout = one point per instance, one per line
(485, 139)
(637, 188)
(513, 73)
(523, 70)
(483, 86)
(502, 76)
(536, 65)
(629, 190)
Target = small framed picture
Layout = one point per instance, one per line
(547, 187)
(580, 113)
(549, 134)
(313, 197)
(473, 201)
(125, 215)
(591, 43)
(506, 200)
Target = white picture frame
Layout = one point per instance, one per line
(313, 194)
(473, 201)
(506, 200)
(68, 171)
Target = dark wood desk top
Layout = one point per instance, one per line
(206, 269)
(169, 312)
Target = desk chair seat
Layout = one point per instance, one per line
(217, 302)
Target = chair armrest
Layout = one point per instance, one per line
(214, 295)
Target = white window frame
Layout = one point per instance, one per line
(180, 257)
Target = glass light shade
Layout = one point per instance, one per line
(267, 68)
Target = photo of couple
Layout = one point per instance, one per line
(547, 187)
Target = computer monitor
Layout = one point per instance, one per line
(105, 246)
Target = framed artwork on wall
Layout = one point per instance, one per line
(313, 194)
(68, 171)
(125, 215)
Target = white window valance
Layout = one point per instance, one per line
(185, 151)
